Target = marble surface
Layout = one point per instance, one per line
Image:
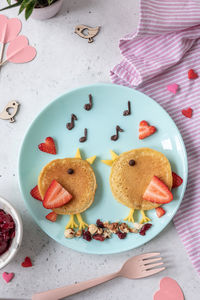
(65, 61)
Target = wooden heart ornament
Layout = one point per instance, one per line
(19, 50)
(169, 290)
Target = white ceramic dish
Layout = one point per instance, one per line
(16, 242)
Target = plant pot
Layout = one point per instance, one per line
(47, 12)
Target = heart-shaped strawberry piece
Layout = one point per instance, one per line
(19, 50)
(27, 262)
(192, 74)
(10, 28)
(169, 290)
(173, 88)
(187, 112)
(145, 130)
(7, 276)
(48, 146)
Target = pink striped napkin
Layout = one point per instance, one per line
(165, 46)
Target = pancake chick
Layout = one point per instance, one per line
(131, 173)
(78, 178)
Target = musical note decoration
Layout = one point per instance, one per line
(128, 111)
(71, 124)
(116, 136)
(84, 138)
(88, 106)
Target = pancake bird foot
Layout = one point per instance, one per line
(82, 224)
(130, 218)
(144, 219)
(71, 224)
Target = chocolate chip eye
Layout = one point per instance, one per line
(70, 171)
(131, 162)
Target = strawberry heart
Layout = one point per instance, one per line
(48, 146)
(187, 112)
(192, 74)
(169, 290)
(173, 88)
(27, 262)
(10, 28)
(19, 50)
(7, 276)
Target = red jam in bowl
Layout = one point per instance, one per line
(7, 231)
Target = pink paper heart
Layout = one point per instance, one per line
(173, 88)
(169, 290)
(9, 29)
(19, 50)
(7, 276)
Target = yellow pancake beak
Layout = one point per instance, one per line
(114, 156)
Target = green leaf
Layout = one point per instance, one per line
(11, 6)
(23, 5)
(9, 2)
(50, 2)
(29, 8)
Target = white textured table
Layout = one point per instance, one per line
(65, 61)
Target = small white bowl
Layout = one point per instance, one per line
(47, 12)
(6, 257)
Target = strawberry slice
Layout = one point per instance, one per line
(157, 192)
(35, 193)
(177, 180)
(145, 130)
(160, 212)
(48, 146)
(56, 196)
(52, 216)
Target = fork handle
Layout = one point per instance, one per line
(69, 290)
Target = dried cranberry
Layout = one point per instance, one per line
(99, 223)
(144, 228)
(7, 231)
(98, 237)
(121, 235)
(87, 235)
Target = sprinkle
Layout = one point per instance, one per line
(27, 262)
(8, 276)
(192, 74)
(187, 112)
(173, 88)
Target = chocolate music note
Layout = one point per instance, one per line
(128, 111)
(88, 106)
(116, 136)
(70, 125)
(84, 138)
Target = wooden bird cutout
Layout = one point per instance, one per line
(90, 32)
(6, 114)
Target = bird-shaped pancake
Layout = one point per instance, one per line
(90, 32)
(77, 177)
(132, 172)
(9, 115)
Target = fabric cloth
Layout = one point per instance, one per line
(162, 50)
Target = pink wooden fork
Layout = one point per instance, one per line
(136, 267)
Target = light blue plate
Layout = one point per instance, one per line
(109, 103)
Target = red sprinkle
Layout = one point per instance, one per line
(187, 112)
(144, 228)
(98, 237)
(121, 235)
(87, 235)
(26, 263)
(192, 74)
